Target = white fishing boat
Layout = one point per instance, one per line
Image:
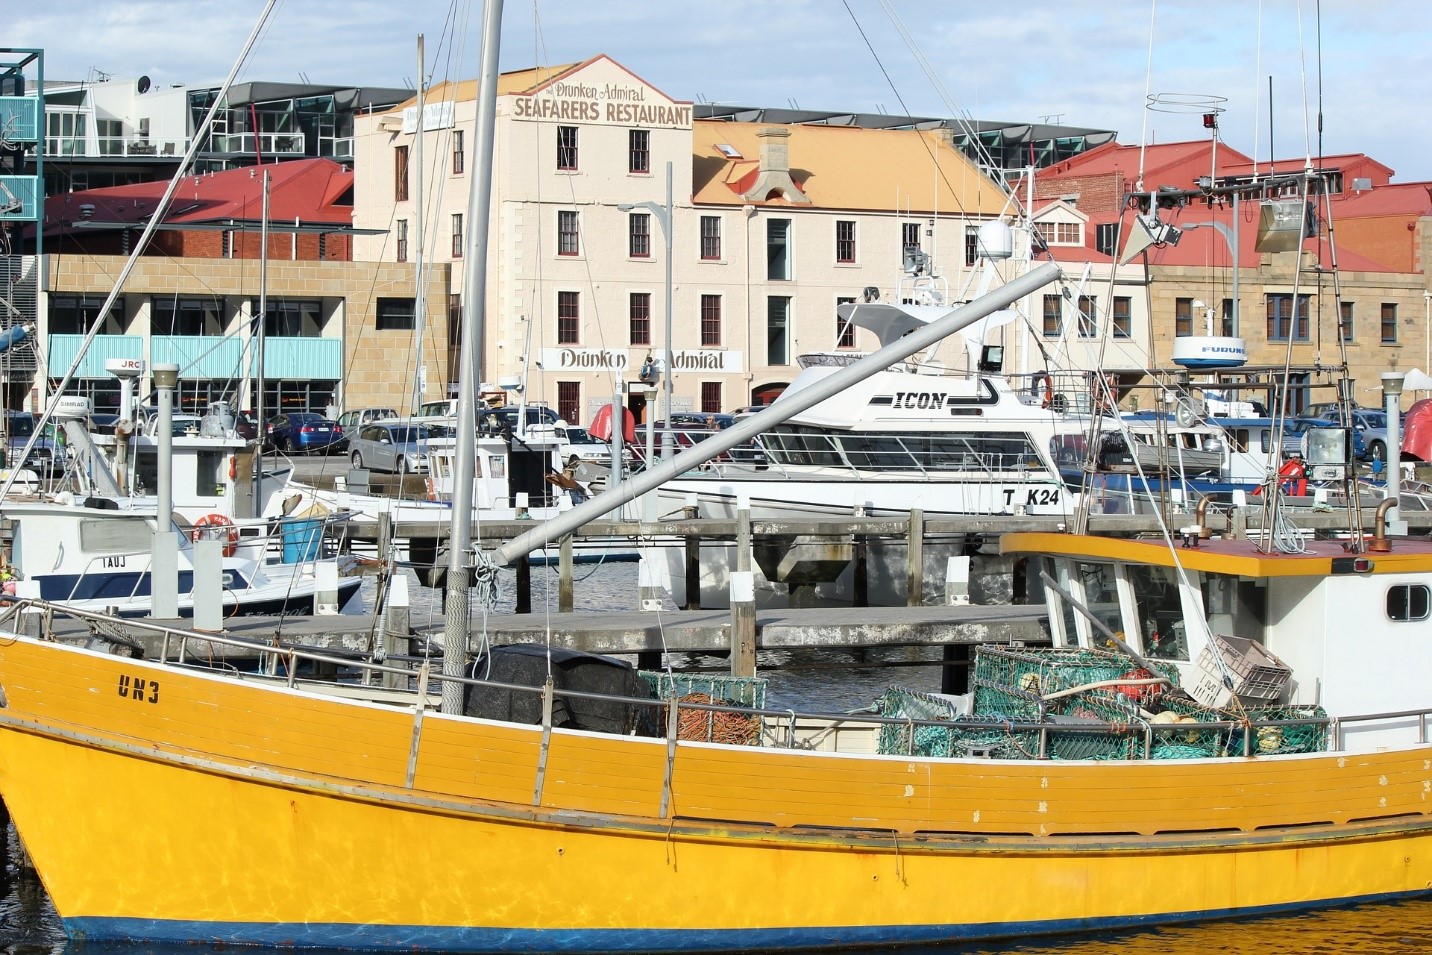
(916, 436)
(97, 553)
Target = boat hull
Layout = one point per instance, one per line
(161, 805)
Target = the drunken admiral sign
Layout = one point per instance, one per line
(708, 361)
(602, 93)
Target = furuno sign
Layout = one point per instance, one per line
(603, 103)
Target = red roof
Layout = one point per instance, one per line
(1114, 157)
(309, 190)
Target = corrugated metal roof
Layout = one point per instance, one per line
(847, 167)
(304, 189)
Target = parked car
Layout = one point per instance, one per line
(179, 425)
(1371, 428)
(44, 456)
(398, 447)
(581, 445)
(353, 420)
(692, 419)
(504, 420)
(245, 426)
(1327, 409)
(301, 431)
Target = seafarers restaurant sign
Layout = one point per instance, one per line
(611, 104)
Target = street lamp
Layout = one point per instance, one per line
(663, 216)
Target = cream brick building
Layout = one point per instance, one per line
(772, 227)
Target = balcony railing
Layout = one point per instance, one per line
(202, 356)
(62, 349)
(311, 358)
(269, 144)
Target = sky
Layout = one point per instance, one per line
(1084, 63)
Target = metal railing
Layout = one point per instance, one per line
(789, 728)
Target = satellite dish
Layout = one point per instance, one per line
(143, 84)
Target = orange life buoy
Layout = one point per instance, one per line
(1104, 393)
(217, 527)
(1048, 388)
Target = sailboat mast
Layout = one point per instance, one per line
(420, 300)
(259, 342)
(474, 304)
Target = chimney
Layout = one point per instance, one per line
(774, 176)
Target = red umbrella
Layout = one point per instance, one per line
(601, 426)
(1417, 430)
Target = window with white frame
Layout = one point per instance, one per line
(567, 232)
(566, 148)
(845, 241)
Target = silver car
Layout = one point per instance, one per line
(394, 446)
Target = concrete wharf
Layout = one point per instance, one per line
(629, 632)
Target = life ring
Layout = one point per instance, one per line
(217, 527)
(1048, 400)
(1104, 394)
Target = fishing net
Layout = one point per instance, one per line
(907, 739)
(699, 724)
(1288, 729)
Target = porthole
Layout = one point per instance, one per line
(1408, 602)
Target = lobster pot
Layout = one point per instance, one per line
(1275, 730)
(698, 724)
(1248, 672)
(1018, 677)
(907, 739)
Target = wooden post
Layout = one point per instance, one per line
(564, 576)
(860, 583)
(396, 627)
(524, 586)
(915, 569)
(385, 539)
(743, 600)
(693, 562)
(743, 624)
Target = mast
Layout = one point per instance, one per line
(259, 344)
(420, 300)
(474, 304)
(157, 217)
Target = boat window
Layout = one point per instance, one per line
(116, 536)
(1234, 606)
(1067, 634)
(1160, 611)
(208, 478)
(1101, 598)
(1408, 602)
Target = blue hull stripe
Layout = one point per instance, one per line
(408, 938)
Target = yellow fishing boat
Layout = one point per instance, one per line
(175, 803)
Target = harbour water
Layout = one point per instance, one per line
(29, 926)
